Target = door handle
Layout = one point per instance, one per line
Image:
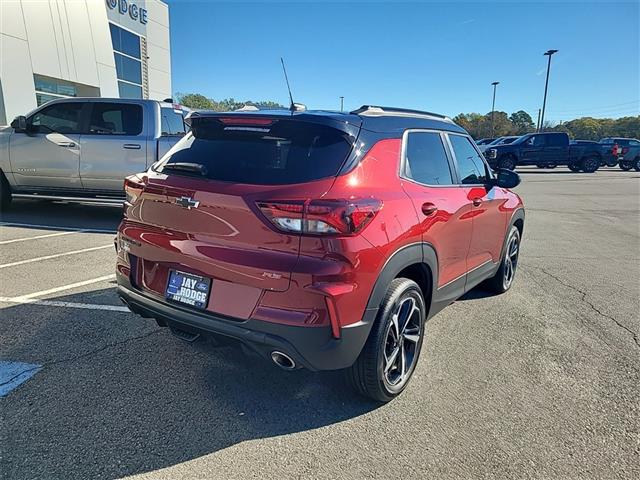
(477, 202)
(67, 144)
(131, 146)
(429, 208)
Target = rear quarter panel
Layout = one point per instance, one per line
(346, 268)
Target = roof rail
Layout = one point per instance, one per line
(374, 110)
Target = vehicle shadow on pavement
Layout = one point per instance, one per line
(34, 213)
(119, 396)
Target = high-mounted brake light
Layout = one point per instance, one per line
(321, 217)
(246, 121)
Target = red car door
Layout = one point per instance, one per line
(489, 216)
(443, 208)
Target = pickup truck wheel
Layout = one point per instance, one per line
(389, 357)
(573, 167)
(5, 193)
(626, 166)
(590, 164)
(552, 165)
(636, 164)
(507, 162)
(503, 279)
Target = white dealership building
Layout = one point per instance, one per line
(83, 48)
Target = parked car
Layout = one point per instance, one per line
(607, 160)
(79, 148)
(545, 150)
(499, 141)
(631, 157)
(484, 141)
(319, 239)
(618, 147)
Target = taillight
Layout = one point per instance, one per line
(246, 121)
(321, 217)
(133, 186)
(614, 150)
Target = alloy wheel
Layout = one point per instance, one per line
(402, 343)
(511, 260)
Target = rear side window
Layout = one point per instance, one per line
(275, 152)
(426, 159)
(471, 167)
(172, 122)
(556, 141)
(115, 119)
(60, 118)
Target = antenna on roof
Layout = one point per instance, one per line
(292, 106)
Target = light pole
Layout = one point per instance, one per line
(342, 104)
(493, 104)
(548, 53)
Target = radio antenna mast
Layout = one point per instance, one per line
(292, 107)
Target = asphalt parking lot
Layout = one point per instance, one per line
(542, 382)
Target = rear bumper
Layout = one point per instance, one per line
(311, 347)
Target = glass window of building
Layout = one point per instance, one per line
(127, 55)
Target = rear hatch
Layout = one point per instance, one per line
(199, 210)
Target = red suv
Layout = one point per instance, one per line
(319, 239)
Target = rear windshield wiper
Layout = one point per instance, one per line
(186, 167)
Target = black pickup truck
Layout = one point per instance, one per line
(545, 150)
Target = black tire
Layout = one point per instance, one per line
(590, 164)
(626, 166)
(5, 193)
(377, 372)
(503, 279)
(508, 162)
(636, 164)
(573, 167)
(540, 165)
(552, 165)
(612, 163)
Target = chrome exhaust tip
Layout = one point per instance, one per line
(283, 360)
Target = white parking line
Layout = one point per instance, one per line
(57, 255)
(56, 227)
(42, 293)
(51, 303)
(30, 297)
(57, 234)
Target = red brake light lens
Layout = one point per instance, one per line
(246, 121)
(322, 217)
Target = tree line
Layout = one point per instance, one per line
(520, 123)
(478, 125)
(197, 101)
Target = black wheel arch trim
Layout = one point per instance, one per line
(415, 253)
(517, 215)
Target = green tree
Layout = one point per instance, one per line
(522, 122)
(195, 101)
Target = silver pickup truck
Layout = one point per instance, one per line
(83, 148)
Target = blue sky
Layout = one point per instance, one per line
(434, 56)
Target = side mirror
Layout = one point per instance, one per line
(19, 124)
(492, 154)
(507, 178)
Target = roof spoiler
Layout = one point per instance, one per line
(375, 110)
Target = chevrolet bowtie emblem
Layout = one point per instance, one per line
(187, 202)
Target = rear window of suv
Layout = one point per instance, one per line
(277, 153)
